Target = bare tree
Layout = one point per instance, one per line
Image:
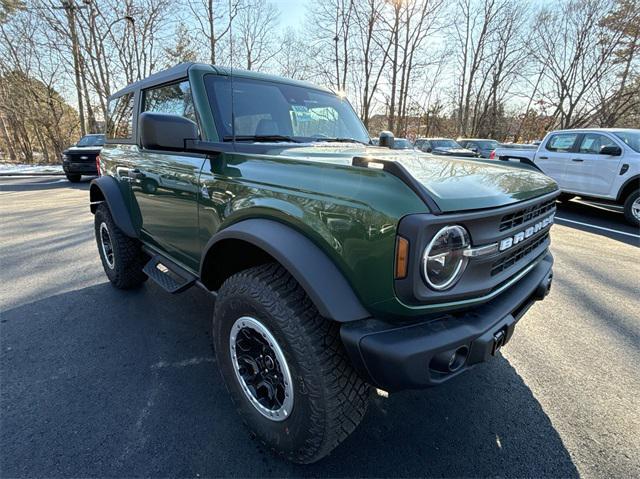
(372, 44)
(252, 33)
(473, 29)
(294, 58)
(213, 20)
(578, 55)
(34, 115)
(615, 99)
(331, 24)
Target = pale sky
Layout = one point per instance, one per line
(292, 12)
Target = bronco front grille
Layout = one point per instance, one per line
(517, 255)
(519, 217)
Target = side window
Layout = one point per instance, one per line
(562, 142)
(592, 142)
(174, 99)
(119, 124)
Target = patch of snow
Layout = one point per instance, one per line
(26, 169)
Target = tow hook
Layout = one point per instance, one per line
(499, 339)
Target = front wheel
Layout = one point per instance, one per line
(284, 365)
(632, 208)
(122, 257)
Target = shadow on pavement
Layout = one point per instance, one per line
(595, 215)
(100, 382)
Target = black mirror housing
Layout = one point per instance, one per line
(386, 139)
(159, 131)
(611, 150)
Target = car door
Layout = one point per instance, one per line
(558, 150)
(590, 172)
(165, 185)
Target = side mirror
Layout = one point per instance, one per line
(474, 149)
(611, 150)
(159, 131)
(429, 149)
(386, 139)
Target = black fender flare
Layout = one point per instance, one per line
(106, 189)
(623, 189)
(522, 160)
(318, 275)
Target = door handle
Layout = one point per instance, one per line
(136, 174)
(577, 160)
(544, 158)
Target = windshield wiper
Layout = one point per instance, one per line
(340, 140)
(260, 138)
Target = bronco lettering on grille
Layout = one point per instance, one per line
(524, 234)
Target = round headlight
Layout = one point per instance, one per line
(443, 261)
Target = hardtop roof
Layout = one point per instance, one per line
(182, 69)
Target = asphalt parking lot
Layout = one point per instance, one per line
(101, 382)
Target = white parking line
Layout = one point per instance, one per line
(598, 227)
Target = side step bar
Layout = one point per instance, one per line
(169, 276)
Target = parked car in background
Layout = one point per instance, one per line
(402, 144)
(481, 146)
(521, 146)
(81, 159)
(443, 147)
(602, 163)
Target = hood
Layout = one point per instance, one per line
(449, 150)
(454, 184)
(83, 149)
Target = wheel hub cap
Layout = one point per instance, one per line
(107, 247)
(635, 208)
(261, 368)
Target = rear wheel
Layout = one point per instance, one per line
(73, 178)
(632, 208)
(284, 365)
(122, 257)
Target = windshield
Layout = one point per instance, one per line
(402, 144)
(445, 144)
(91, 140)
(280, 112)
(488, 145)
(631, 138)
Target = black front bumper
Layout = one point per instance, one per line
(410, 356)
(80, 167)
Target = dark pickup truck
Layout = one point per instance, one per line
(81, 158)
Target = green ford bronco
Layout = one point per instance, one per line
(338, 267)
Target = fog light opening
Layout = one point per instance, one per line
(450, 361)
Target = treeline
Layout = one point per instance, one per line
(506, 69)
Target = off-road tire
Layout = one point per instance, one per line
(128, 257)
(73, 178)
(330, 398)
(628, 214)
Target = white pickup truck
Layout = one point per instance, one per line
(601, 163)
